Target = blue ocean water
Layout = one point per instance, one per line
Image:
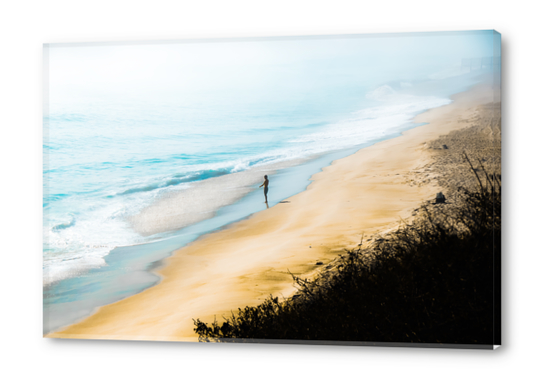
(182, 151)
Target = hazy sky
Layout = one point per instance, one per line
(129, 70)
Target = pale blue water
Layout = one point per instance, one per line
(131, 174)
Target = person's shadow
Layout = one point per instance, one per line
(280, 202)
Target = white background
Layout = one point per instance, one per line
(25, 25)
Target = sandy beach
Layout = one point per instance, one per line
(364, 194)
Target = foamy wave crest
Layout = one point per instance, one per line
(64, 225)
(178, 179)
(57, 270)
(372, 123)
(81, 244)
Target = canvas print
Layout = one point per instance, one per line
(341, 189)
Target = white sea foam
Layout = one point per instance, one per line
(177, 209)
(80, 244)
(396, 111)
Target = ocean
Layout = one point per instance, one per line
(138, 164)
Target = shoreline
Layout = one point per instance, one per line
(312, 226)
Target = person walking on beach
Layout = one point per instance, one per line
(265, 186)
